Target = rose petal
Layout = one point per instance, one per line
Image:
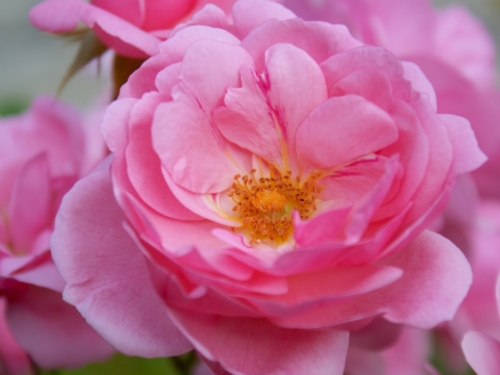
(53, 333)
(238, 345)
(124, 310)
(343, 129)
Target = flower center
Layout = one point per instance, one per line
(265, 205)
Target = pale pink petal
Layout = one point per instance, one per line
(214, 16)
(341, 130)
(190, 149)
(292, 100)
(278, 105)
(53, 333)
(167, 79)
(117, 114)
(438, 174)
(319, 40)
(247, 15)
(221, 70)
(124, 310)
(365, 208)
(420, 82)
(413, 149)
(467, 155)
(246, 118)
(370, 83)
(340, 65)
(482, 353)
(255, 347)
(143, 164)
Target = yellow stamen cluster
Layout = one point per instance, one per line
(265, 204)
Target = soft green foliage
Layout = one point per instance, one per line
(123, 365)
(12, 106)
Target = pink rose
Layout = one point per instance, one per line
(42, 154)
(132, 28)
(273, 180)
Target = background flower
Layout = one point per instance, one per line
(43, 153)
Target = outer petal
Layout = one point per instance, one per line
(116, 297)
(254, 346)
(53, 333)
(435, 281)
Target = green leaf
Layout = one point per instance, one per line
(123, 365)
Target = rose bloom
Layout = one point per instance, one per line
(132, 28)
(43, 152)
(270, 185)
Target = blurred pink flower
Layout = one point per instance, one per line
(42, 154)
(132, 28)
(278, 176)
(13, 360)
(482, 353)
(477, 324)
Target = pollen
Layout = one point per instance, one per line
(265, 205)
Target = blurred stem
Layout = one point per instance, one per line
(184, 363)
